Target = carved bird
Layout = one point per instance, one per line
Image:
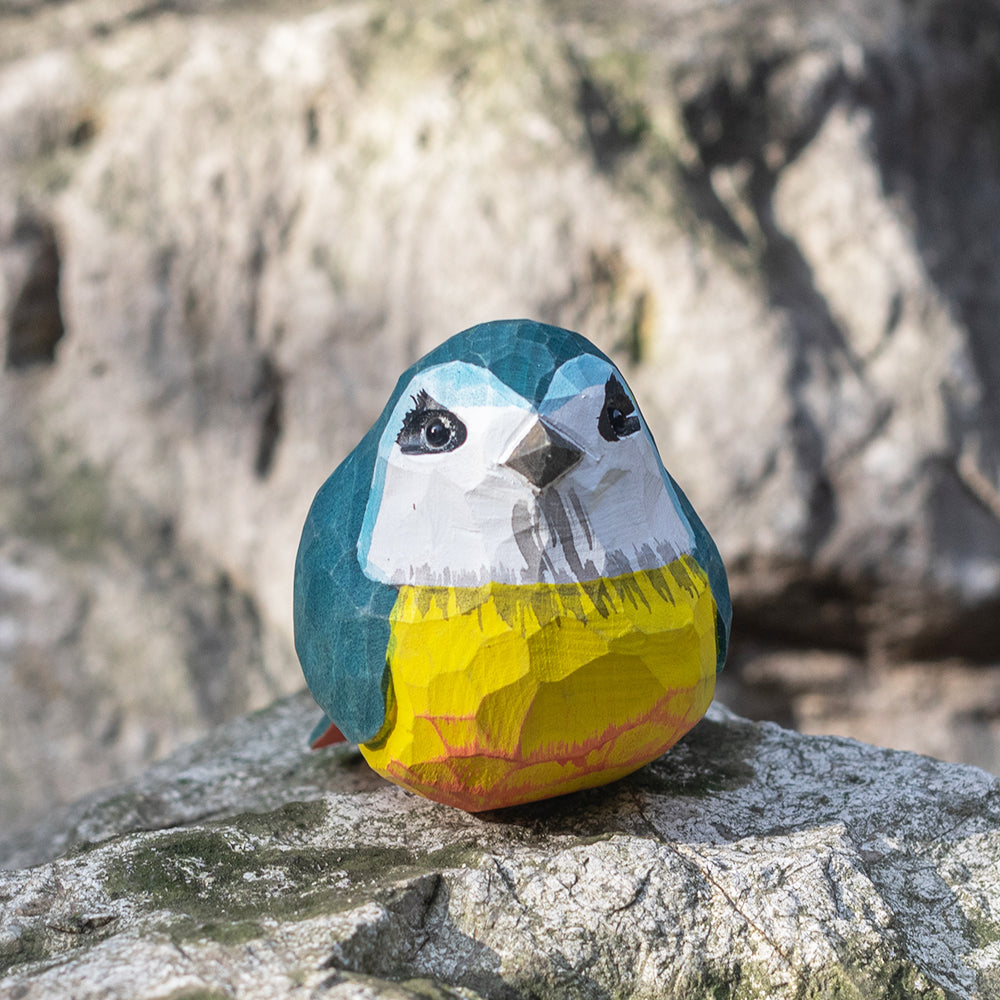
(501, 594)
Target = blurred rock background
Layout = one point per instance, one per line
(225, 228)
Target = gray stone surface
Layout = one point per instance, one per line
(225, 228)
(748, 862)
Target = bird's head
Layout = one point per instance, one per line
(517, 465)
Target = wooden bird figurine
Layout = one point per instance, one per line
(501, 594)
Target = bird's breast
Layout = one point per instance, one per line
(505, 693)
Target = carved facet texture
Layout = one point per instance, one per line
(509, 693)
(501, 595)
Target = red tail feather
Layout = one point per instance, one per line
(331, 736)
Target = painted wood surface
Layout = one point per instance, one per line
(501, 595)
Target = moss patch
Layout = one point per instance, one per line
(222, 882)
(290, 819)
(983, 929)
(862, 980)
(29, 946)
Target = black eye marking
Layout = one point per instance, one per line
(617, 419)
(429, 429)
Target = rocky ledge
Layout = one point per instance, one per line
(750, 861)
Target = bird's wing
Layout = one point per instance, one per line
(707, 555)
(341, 616)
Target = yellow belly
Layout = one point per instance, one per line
(510, 693)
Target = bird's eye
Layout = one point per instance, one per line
(437, 433)
(618, 418)
(429, 428)
(618, 421)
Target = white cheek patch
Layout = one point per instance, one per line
(462, 518)
(614, 513)
(444, 519)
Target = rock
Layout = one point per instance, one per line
(748, 862)
(223, 232)
(816, 691)
(34, 319)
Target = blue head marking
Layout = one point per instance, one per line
(570, 379)
(523, 354)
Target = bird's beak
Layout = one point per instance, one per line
(542, 455)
